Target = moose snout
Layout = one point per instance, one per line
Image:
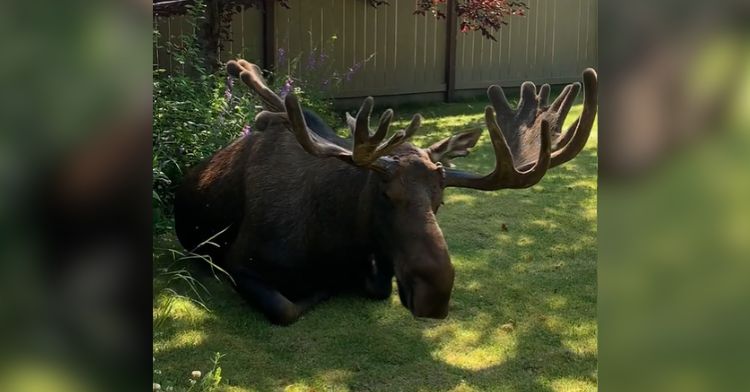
(423, 265)
(430, 304)
(435, 312)
(428, 298)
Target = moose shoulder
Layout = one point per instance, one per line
(300, 214)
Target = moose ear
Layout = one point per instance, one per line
(454, 146)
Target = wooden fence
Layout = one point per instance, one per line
(390, 51)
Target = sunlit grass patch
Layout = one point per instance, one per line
(472, 346)
(568, 384)
(180, 308)
(183, 339)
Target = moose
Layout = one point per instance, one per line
(303, 214)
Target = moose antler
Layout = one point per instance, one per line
(523, 138)
(368, 149)
(251, 75)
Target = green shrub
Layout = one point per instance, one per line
(192, 120)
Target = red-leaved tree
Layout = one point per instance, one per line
(486, 16)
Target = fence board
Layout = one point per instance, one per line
(553, 43)
(246, 37)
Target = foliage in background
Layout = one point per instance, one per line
(486, 16)
(314, 78)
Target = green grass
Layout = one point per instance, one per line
(523, 310)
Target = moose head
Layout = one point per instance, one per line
(395, 188)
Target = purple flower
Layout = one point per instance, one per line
(311, 61)
(246, 129)
(282, 57)
(287, 87)
(351, 71)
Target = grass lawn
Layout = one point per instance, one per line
(522, 317)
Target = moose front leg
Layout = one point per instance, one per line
(378, 279)
(275, 306)
(256, 290)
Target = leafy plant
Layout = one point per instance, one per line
(195, 114)
(197, 381)
(211, 380)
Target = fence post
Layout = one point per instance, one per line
(269, 34)
(450, 47)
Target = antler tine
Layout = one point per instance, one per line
(368, 147)
(310, 142)
(529, 102)
(416, 122)
(557, 103)
(385, 124)
(362, 127)
(500, 102)
(505, 175)
(543, 96)
(567, 102)
(251, 75)
(578, 133)
(400, 136)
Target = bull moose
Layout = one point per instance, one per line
(304, 214)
